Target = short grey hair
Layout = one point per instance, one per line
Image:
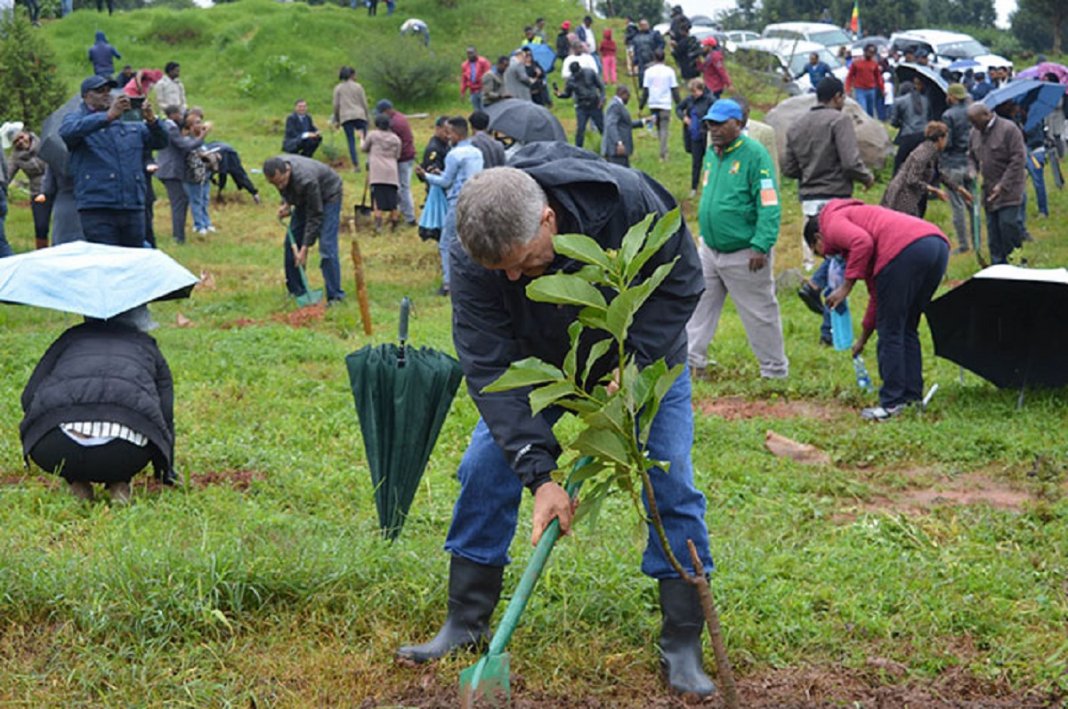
(498, 209)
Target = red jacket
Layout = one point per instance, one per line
(714, 71)
(865, 74)
(482, 65)
(869, 238)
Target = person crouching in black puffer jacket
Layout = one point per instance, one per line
(99, 407)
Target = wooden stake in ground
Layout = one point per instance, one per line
(361, 288)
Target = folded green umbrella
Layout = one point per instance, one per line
(402, 396)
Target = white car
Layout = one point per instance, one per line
(944, 48)
(737, 36)
(779, 57)
(830, 36)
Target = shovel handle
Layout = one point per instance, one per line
(518, 604)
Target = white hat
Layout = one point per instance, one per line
(8, 131)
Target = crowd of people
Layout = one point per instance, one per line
(494, 213)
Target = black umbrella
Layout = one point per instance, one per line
(937, 87)
(524, 121)
(1007, 325)
(53, 150)
(402, 397)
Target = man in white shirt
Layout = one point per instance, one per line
(660, 91)
(585, 61)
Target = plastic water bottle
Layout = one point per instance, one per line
(863, 378)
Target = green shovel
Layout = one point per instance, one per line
(487, 682)
(309, 296)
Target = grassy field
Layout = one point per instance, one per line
(926, 564)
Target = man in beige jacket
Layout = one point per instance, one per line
(350, 110)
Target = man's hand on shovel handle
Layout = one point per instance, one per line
(551, 501)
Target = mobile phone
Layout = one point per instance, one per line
(133, 114)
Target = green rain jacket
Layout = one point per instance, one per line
(739, 206)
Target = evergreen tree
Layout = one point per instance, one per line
(1039, 24)
(29, 88)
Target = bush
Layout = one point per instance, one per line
(29, 87)
(178, 28)
(998, 41)
(406, 71)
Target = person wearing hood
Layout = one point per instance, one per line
(107, 162)
(506, 220)
(102, 56)
(607, 48)
(563, 42)
(99, 407)
(24, 157)
(901, 259)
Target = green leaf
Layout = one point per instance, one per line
(565, 289)
(573, 332)
(664, 229)
(525, 372)
(603, 445)
(586, 472)
(579, 406)
(593, 274)
(593, 318)
(645, 385)
(633, 240)
(549, 394)
(598, 350)
(581, 248)
(660, 389)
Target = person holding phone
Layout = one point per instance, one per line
(107, 162)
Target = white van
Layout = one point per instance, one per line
(830, 36)
(944, 48)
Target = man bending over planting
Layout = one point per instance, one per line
(506, 218)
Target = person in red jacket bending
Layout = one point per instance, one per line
(901, 259)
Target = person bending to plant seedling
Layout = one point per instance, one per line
(513, 330)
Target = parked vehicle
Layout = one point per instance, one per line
(944, 48)
(738, 36)
(830, 36)
(785, 60)
(882, 45)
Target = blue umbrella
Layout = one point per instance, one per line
(963, 64)
(1038, 97)
(94, 280)
(543, 54)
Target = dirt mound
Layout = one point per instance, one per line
(734, 408)
(877, 685)
(301, 317)
(974, 488)
(240, 480)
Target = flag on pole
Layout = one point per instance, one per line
(854, 20)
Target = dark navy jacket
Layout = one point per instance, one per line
(107, 158)
(495, 324)
(102, 55)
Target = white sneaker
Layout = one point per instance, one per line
(879, 413)
(211, 229)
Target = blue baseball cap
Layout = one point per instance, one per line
(723, 110)
(96, 82)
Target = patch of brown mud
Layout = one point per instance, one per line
(735, 408)
(881, 684)
(301, 317)
(49, 481)
(974, 488)
(240, 480)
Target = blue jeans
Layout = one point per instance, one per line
(867, 99)
(904, 288)
(476, 101)
(448, 235)
(485, 515)
(5, 248)
(819, 279)
(1036, 167)
(582, 117)
(328, 258)
(67, 7)
(356, 124)
(117, 227)
(197, 193)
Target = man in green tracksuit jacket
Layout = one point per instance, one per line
(739, 219)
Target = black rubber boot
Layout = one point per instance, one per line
(680, 639)
(474, 590)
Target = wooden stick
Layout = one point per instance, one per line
(361, 287)
(723, 663)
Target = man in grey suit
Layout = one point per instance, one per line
(171, 161)
(617, 143)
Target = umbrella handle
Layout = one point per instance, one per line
(402, 329)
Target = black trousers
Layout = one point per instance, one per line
(113, 462)
(904, 288)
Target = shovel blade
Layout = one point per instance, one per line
(486, 684)
(310, 297)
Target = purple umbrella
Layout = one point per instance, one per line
(1039, 72)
